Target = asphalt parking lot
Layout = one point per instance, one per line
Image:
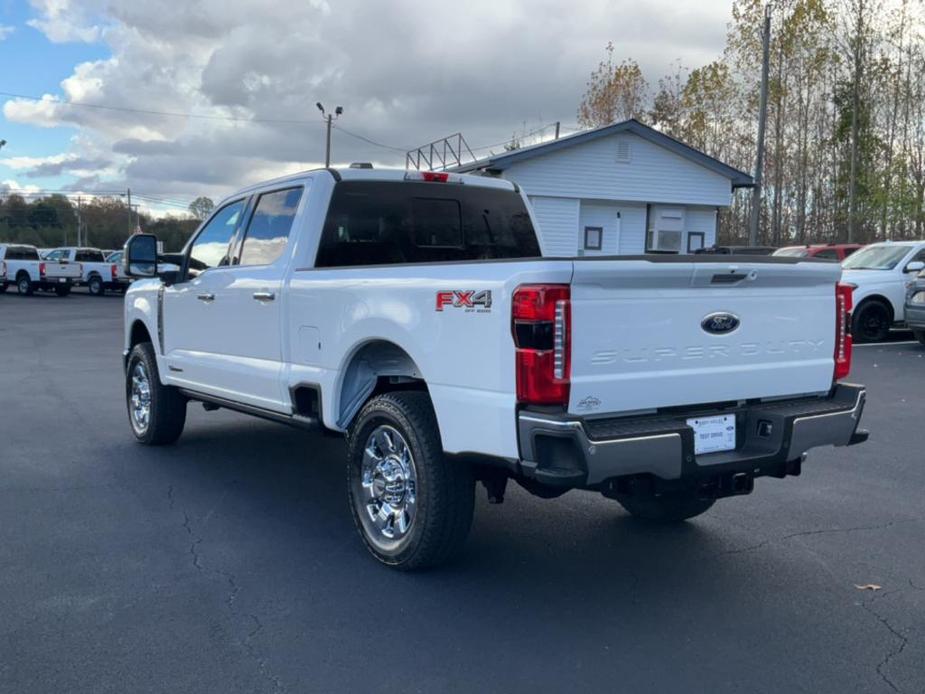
(229, 562)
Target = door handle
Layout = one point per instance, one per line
(264, 296)
(208, 298)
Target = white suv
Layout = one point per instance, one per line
(880, 275)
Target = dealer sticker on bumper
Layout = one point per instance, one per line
(712, 434)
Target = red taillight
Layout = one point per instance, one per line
(541, 325)
(41, 269)
(843, 341)
(113, 269)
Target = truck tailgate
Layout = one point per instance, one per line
(650, 334)
(54, 270)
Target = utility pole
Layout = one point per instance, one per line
(329, 119)
(762, 123)
(855, 107)
(131, 229)
(79, 222)
(557, 130)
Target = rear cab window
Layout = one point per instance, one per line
(399, 222)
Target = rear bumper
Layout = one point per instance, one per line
(53, 282)
(772, 438)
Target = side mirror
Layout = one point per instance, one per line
(915, 266)
(140, 257)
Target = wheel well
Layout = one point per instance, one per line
(139, 334)
(21, 274)
(877, 298)
(93, 274)
(376, 367)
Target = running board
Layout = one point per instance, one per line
(213, 402)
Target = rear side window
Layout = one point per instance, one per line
(383, 223)
(87, 256)
(268, 231)
(828, 253)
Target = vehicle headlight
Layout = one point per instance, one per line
(918, 298)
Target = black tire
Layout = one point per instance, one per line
(95, 286)
(3, 286)
(62, 291)
(666, 508)
(443, 490)
(871, 322)
(24, 285)
(166, 406)
(920, 336)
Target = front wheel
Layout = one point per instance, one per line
(666, 508)
(412, 507)
(871, 322)
(157, 413)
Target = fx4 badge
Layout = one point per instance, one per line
(468, 300)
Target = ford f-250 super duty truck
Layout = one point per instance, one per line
(415, 314)
(26, 269)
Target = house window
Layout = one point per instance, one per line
(695, 241)
(594, 238)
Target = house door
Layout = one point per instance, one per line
(599, 229)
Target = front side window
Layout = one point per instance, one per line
(210, 249)
(268, 231)
(385, 222)
(876, 258)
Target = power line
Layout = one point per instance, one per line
(372, 142)
(176, 114)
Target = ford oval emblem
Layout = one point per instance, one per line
(720, 323)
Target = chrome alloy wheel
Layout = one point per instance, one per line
(387, 494)
(140, 398)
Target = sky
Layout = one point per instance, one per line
(201, 98)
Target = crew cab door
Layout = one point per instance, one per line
(228, 334)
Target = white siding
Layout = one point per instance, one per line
(592, 170)
(557, 219)
(704, 220)
(605, 216)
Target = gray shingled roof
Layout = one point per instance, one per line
(500, 162)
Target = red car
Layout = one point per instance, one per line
(832, 251)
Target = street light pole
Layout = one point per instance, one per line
(328, 119)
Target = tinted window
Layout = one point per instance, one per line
(24, 253)
(210, 249)
(827, 253)
(268, 231)
(88, 256)
(378, 223)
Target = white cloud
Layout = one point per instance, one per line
(5, 31)
(405, 72)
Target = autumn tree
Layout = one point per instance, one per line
(201, 207)
(614, 93)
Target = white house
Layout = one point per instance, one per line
(623, 189)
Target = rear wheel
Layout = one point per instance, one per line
(157, 413)
(3, 286)
(871, 322)
(95, 286)
(412, 507)
(666, 508)
(24, 285)
(920, 336)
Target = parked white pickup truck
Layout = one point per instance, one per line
(29, 272)
(415, 314)
(880, 275)
(98, 273)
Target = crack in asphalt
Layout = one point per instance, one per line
(895, 652)
(233, 590)
(820, 531)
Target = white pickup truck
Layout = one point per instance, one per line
(98, 274)
(415, 314)
(24, 268)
